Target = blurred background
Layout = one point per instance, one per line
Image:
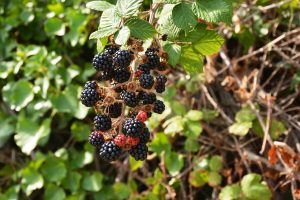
(207, 141)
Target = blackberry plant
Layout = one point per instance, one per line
(132, 64)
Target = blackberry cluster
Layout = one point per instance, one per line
(131, 88)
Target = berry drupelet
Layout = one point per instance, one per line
(132, 127)
(129, 98)
(145, 136)
(110, 151)
(111, 49)
(121, 75)
(115, 110)
(145, 68)
(147, 98)
(139, 152)
(159, 107)
(122, 58)
(146, 81)
(96, 139)
(102, 122)
(102, 62)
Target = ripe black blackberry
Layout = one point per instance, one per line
(159, 88)
(164, 37)
(148, 98)
(110, 151)
(102, 122)
(139, 152)
(132, 127)
(161, 79)
(121, 75)
(90, 85)
(146, 81)
(115, 110)
(122, 58)
(102, 62)
(96, 139)
(151, 51)
(145, 68)
(111, 49)
(153, 61)
(159, 107)
(145, 136)
(129, 98)
(106, 75)
(89, 97)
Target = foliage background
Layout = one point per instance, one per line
(206, 144)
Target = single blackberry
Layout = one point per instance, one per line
(139, 152)
(164, 37)
(145, 136)
(122, 58)
(96, 139)
(159, 107)
(90, 85)
(106, 75)
(132, 127)
(121, 75)
(149, 114)
(153, 61)
(102, 122)
(111, 49)
(142, 116)
(89, 97)
(102, 62)
(145, 68)
(129, 98)
(110, 151)
(115, 110)
(161, 79)
(146, 81)
(148, 98)
(151, 51)
(120, 140)
(159, 88)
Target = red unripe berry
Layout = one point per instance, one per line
(120, 140)
(142, 116)
(138, 73)
(132, 141)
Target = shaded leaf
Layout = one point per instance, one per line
(230, 192)
(174, 163)
(92, 182)
(140, 29)
(174, 51)
(183, 16)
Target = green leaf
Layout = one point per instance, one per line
(213, 10)
(55, 26)
(174, 163)
(194, 115)
(99, 5)
(230, 192)
(183, 16)
(122, 36)
(254, 189)
(198, 178)
(92, 182)
(128, 8)
(72, 181)
(245, 115)
(209, 114)
(277, 128)
(214, 179)
(53, 192)
(103, 32)
(174, 51)
(134, 165)
(192, 129)
(101, 44)
(240, 128)
(166, 1)
(121, 190)
(140, 29)
(160, 143)
(109, 19)
(31, 180)
(80, 131)
(173, 125)
(191, 145)
(18, 94)
(30, 133)
(6, 130)
(80, 158)
(54, 170)
(215, 163)
(191, 61)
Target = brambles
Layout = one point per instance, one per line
(134, 79)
